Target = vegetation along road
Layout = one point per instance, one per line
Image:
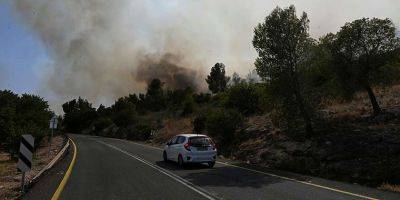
(108, 168)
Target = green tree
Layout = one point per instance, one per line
(359, 50)
(217, 81)
(155, 96)
(188, 105)
(221, 124)
(243, 97)
(33, 116)
(9, 133)
(282, 42)
(28, 114)
(78, 115)
(124, 112)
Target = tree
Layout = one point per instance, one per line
(217, 80)
(124, 112)
(26, 114)
(236, 79)
(282, 42)
(9, 134)
(155, 96)
(78, 115)
(33, 115)
(244, 98)
(359, 50)
(188, 103)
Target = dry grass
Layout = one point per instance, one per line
(390, 187)
(173, 127)
(388, 98)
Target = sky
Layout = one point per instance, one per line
(64, 49)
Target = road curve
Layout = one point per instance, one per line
(108, 168)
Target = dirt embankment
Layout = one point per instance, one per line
(349, 144)
(10, 177)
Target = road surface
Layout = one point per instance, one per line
(108, 168)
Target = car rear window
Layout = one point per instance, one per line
(200, 141)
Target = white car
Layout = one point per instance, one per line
(190, 148)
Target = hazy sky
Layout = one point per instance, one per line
(65, 49)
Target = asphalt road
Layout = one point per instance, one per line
(108, 168)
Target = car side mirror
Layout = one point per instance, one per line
(168, 143)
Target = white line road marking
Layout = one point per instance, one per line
(171, 175)
(277, 176)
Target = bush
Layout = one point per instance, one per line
(140, 132)
(101, 123)
(188, 105)
(202, 98)
(221, 124)
(199, 124)
(125, 117)
(244, 98)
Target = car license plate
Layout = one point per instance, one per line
(201, 148)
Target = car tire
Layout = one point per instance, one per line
(211, 164)
(165, 156)
(180, 161)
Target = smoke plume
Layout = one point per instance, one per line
(103, 49)
(169, 69)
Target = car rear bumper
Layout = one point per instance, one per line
(200, 158)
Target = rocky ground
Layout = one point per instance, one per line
(10, 178)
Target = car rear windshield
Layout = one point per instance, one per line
(200, 141)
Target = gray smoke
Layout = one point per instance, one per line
(169, 69)
(103, 49)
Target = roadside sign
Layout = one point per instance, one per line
(53, 126)
(25, 153)
(25, 156)
(53, 122)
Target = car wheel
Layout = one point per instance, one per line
(165, 156)
(180, 161)
(211, 164)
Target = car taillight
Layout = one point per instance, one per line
(213, 145)
(187, 146)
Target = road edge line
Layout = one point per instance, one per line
(302, 182)
(64, 181)
(277, 176)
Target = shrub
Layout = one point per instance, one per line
(140, 132)
(188, 105)
(244, 98)
(202, 98)
(221, 124)
(199, 124)
(125, 117)
(101, 123)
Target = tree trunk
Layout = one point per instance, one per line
(304, 113)
(374, 102)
